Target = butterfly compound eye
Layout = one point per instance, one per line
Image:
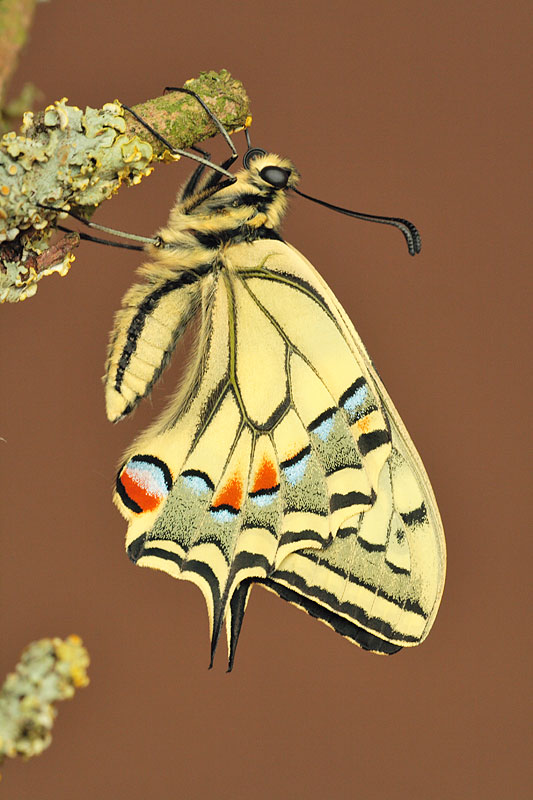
(276, 176)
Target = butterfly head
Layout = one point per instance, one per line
(258, 197)
(267, 171)
(256, 200)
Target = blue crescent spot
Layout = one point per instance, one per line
(198, 485)
(148, 477)
(356, 399)
(295, 472)
(223, 515)
(324, 429)
(263, 499)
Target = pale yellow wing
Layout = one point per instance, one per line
(277, 447)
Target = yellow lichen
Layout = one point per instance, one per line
(74, 654)
(18, 281)
(58, 114)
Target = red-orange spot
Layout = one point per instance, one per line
(138, 493)
(266, 476)
(230, 494)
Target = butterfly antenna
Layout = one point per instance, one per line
(410, 231)
(251, 152)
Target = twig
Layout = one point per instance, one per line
(15, 20)
(49, 670)
(74, 160)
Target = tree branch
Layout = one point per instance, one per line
(49, 670)
(15, 20)
(74, 160)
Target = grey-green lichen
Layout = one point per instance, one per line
(73, 160)
(84, 156)
(49, 670)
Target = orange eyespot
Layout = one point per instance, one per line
(143, 483)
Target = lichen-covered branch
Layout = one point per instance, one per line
(73, 160)
(49, 670)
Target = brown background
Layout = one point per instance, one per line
(415, 109)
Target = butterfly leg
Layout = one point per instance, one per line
(192, 183)
(215, 177)
(210, 113)
(176, 150)
(96, 226)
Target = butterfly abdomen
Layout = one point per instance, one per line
(151, 320)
